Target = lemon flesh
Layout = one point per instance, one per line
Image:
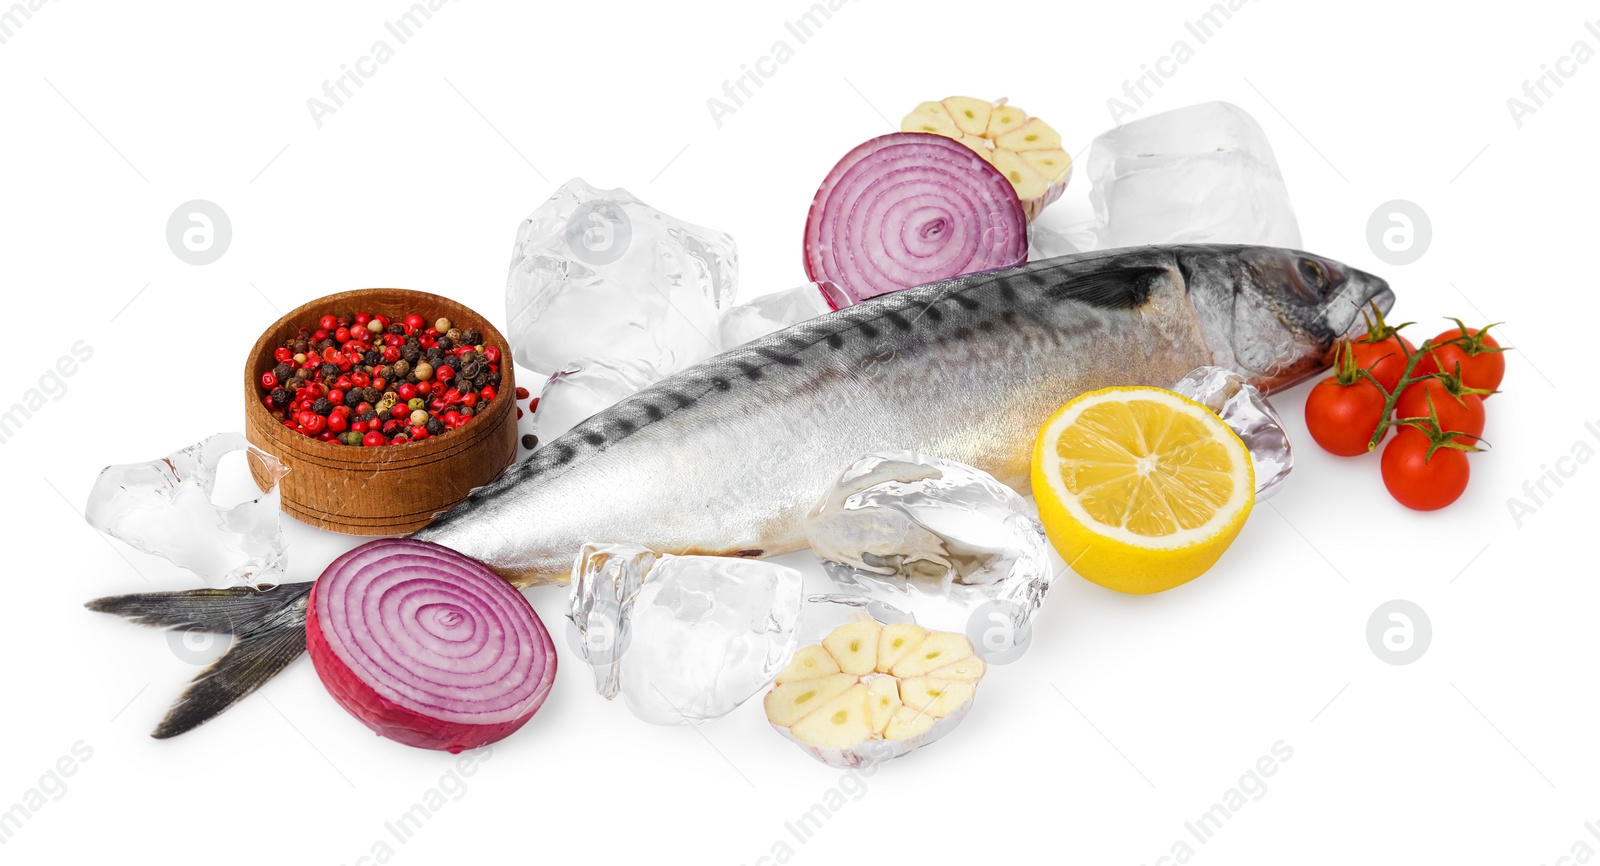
(1140, 489)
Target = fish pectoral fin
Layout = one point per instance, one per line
(1116, 289)
(269, 629)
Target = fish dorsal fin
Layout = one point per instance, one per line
(1118, 289)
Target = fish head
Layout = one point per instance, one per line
(1280, 312)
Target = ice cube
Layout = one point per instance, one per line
(1201, 174)
(165, 508)
(761, 316)
(899, 520)
(581, 389)
(598, 273)
(1247, 411)
(682, 638)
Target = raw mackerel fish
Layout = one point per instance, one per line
(727, 456)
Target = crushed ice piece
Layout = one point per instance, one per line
(1200, 174)
(598, 273)
(682, 638)
(768, 313)
(1242, 406)
(1048, 242)
(164, 507)
(582, 389)
(899, 519)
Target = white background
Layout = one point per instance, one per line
(1128, 716)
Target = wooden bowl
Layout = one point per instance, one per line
(393, 489)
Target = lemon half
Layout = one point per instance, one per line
(1140, 489)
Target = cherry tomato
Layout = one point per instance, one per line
(1463, 414)
(1482, 366)
(1385, 359)
(1342, 417)
(1420, 482)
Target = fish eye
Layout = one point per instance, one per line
(1312, 274)
(1312, 281)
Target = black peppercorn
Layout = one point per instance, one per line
(435, 426)
(471, 337)
(368, 417)
(329, 371)
(435, 355)
(401, 367)
(284, 372)
(468, 410)
(530, 441)
(397, 328)
(301, 346)
(445, 344)
(372, 358)
(323, 406)
(280, 398)
(411, 353)
(493, 378)
(373, 395)
(326, 344)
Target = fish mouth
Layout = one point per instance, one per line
(1382, 296)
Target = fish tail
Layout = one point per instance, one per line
(269, 630)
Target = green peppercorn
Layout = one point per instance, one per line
(416, 403)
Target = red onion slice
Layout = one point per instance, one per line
(911, 208)
(427, 647)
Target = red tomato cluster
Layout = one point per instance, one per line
(1433, 397)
